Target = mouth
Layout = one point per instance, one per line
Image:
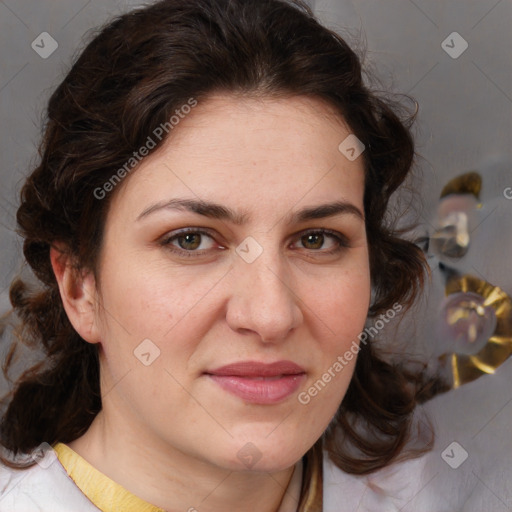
(259, 383)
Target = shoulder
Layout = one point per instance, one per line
(44, 487)
(468, 467)
(389, 489)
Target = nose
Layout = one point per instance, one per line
(263, 300)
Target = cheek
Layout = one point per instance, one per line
(151, 298)
(341, 304)
(153, 301)
(338, 310)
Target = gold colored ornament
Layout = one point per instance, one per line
(467, 183)
(466, 367)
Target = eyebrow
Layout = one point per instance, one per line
(217, 211)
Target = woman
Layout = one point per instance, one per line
(208, 226)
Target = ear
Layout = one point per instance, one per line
(78, 293)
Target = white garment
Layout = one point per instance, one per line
(477, 417)
(46, 487)
(39, 489)
(407, 487)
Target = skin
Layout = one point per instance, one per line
(268, 158)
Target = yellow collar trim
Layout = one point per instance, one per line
(103, 492)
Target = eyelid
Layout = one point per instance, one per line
(341, 240)
(168, 238)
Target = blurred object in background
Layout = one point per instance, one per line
(470, 247)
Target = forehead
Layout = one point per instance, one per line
(253, 154)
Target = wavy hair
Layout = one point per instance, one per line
(128, 81)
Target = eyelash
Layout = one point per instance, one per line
(341, 242)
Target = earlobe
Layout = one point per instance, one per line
(78, 294)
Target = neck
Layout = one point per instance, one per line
(171, 479)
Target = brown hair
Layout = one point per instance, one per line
(128, 81)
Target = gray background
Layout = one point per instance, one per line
(464, 123)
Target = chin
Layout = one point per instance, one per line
(262, 454)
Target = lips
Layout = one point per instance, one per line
(259, 383)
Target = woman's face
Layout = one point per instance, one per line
(233, 279)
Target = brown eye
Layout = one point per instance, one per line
(330, 242)
(192, 242)
(189, 241)
(313, 241)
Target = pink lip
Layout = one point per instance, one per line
(259, 383)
